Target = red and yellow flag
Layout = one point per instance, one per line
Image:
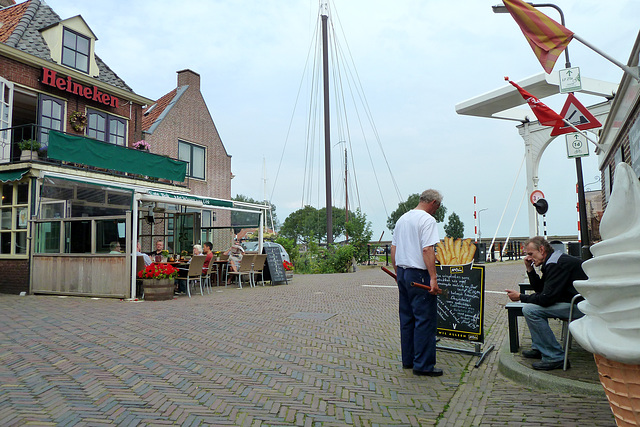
(547, 38)
(546, 116)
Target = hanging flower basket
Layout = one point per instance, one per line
(78, 121)
(142, 145)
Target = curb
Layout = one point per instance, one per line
(519, 373)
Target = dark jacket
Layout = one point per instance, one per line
(556, 285)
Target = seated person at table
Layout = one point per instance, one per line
(115, 248)
(235, 253)
(207, 250)
(552, 299)
(147, 259)
(181, 283)
(157, 254)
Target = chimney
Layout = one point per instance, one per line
(188, 77)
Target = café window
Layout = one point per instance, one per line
(75, 50)
(80, 217)
(51, 116)
(194, 155)
(106, 128)
(14, 216)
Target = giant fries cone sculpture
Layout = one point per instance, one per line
(611, 326)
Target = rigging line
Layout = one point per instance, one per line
(340, 95)
(313, 124)
(369, 115)
(292, 117)
(377, 180)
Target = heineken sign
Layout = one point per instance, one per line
(92, 93)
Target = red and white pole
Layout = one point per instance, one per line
(475, 217)
(578, 210)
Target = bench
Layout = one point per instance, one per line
(514, 310)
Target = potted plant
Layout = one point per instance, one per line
(164, 254)
(158, 281)
(142, 145)
(29, 149)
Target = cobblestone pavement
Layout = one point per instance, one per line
(322, 351)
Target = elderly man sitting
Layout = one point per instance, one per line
(552, 299)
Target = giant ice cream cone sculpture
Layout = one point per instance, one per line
(611, 326)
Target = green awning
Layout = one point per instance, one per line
(91, 152)
(14, 175)
(206, 201)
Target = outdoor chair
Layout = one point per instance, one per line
(243, 270)
(194, 273)
(567, 334)
(206, 276)
(140, 266)
(258, 268)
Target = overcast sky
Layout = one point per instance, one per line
(415, 59)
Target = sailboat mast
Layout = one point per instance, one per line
(327, 139)
(346, 192)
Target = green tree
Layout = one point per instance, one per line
(359, 231)
(454, 227)
(309, 224)
(411, 202)
(301, 225)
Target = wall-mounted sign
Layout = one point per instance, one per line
(92, 93)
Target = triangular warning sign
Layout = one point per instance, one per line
(576, 114)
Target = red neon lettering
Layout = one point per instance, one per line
(87, 92)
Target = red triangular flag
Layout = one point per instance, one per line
(546, 116)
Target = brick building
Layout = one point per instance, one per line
(180, 126)
(73, 184)
(621, 132)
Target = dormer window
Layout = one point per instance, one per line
(75, 50)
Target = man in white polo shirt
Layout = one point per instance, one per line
(413, 258)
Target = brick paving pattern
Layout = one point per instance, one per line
(322, 351)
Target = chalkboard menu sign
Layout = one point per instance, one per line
(274, 270)
(461, 309)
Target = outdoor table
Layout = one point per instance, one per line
(219, 267)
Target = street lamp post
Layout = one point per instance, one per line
(479, 232)
(582, 208)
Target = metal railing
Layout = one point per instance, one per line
(10, 139)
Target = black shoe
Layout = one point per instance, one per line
(532, 354)
(407, 366)
(436, 372)
(549, 366)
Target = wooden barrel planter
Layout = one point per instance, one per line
(158, 289)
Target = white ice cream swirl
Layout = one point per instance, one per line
(611, 325)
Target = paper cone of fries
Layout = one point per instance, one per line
(621, 383)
